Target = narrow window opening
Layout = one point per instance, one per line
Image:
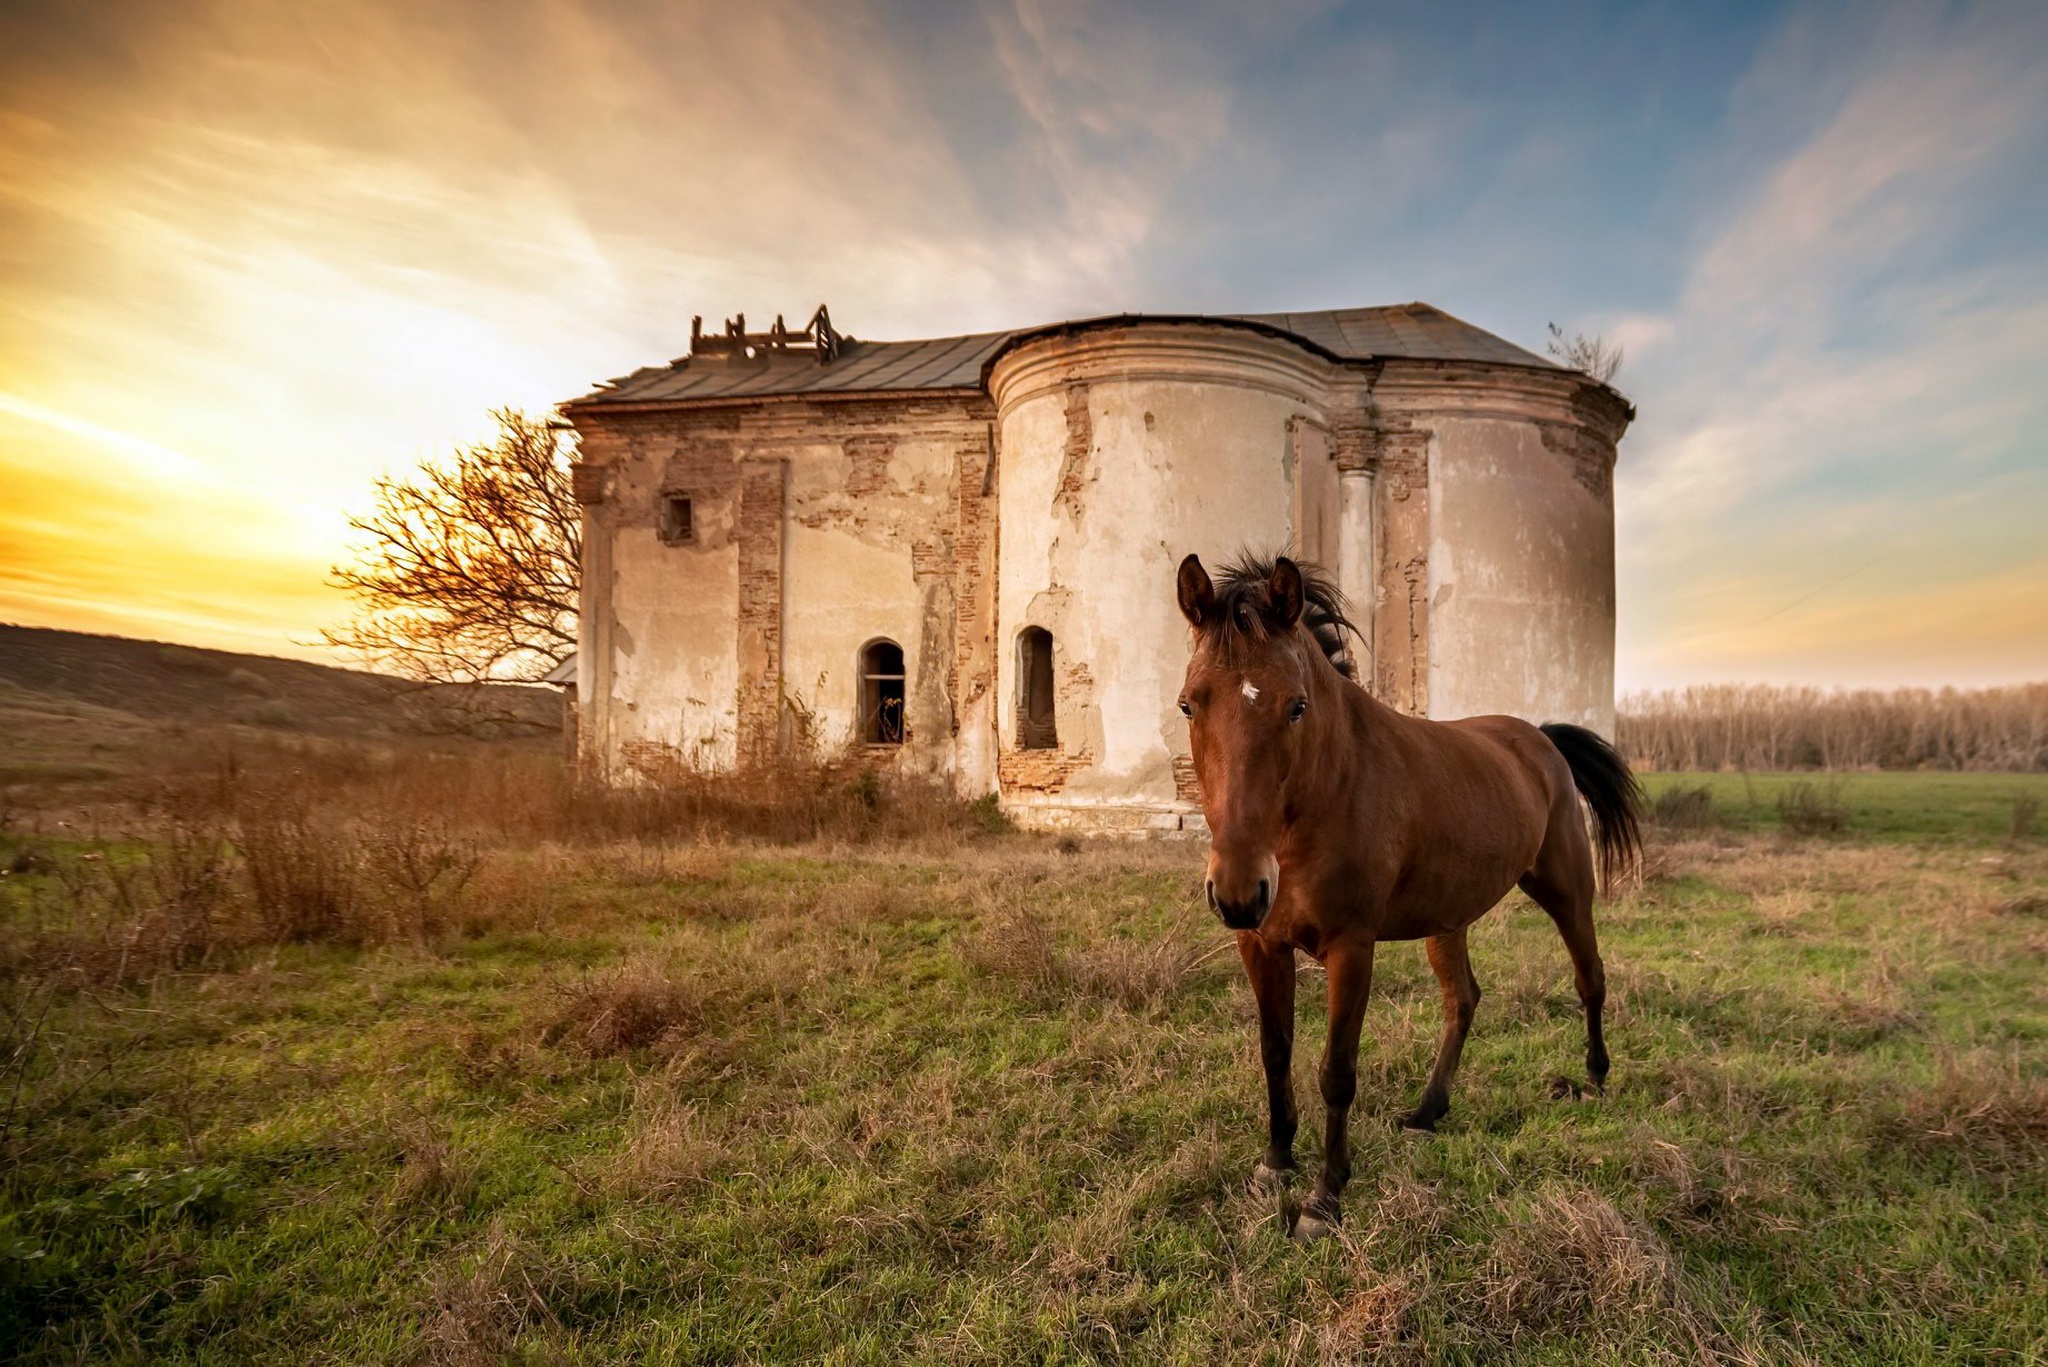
(881, 693)
(1035, 728)
(677, 523)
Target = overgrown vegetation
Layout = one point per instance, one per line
(327, 1053)
(1761, 728)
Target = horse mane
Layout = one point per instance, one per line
(1241, 603)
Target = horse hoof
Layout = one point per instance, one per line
(1268, 1178)
(1420, 1121)
(1311, 1229)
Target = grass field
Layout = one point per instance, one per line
(989, 1097)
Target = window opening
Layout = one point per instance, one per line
(677, 524)
(881, 693)
(1035, 727)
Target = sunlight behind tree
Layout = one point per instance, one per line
(470, 571)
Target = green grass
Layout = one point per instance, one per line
(992, 1103)
(1880, 806)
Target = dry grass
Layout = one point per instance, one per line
(668, 1148)
(482, 1308)
(1573, 1258)
(667, 1098)
(1020, 945)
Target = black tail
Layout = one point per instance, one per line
(1602, 777)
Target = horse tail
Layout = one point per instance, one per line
(1603, 778)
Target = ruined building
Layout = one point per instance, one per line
(960, 553)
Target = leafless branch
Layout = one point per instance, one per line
(468, 573)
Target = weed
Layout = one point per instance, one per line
(1684, 809)
(1809, 809)
(619, 1007)
(481, 1309)
(430, 1170)
(2025, 807)
(668, 1146)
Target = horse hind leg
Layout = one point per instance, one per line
(1453, 964)
(1567, 895)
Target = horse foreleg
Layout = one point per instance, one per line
(1271, 970)
(1453, 965)
(1350, 969)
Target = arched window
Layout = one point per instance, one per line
(1035, 728)
(881, 693)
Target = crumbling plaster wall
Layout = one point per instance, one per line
(1520, 535)
(1122, 450)
(820, 527)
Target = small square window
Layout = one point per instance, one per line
(677, 526)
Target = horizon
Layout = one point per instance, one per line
(254, 260)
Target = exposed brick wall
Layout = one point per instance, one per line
(1186, 786)
(974, 568)
(1038, 771)
(1590, 460)
(758, 530)
(1401, 624)
(1075, 457)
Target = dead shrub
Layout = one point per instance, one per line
(623, 1006)
(1017, 946)
(1576, 1261)
(1685, 809)
(121, 918)
(305, 871)
(423, 866)
(1810, 809)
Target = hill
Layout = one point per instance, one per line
(72, 704)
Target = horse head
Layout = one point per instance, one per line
(1258, 673)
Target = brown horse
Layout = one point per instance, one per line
(1336, 822)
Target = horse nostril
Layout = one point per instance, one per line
(1209, 886)
(1262, 892)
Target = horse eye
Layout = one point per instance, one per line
(1297, 709)
(1186, 709)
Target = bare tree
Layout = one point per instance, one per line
(1594, 355)
(469, 574)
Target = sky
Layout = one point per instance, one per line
(253, 255)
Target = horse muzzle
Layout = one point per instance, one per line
(1244, 907)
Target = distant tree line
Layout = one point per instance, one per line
(1762, 727)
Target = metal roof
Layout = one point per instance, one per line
(1409, 331)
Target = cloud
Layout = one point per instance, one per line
(1846, 359)
(299, 246)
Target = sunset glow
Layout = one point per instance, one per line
(252, 256)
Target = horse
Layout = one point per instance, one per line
(1336, 822)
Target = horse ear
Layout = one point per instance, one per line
(1197, 594)
(1284, 593)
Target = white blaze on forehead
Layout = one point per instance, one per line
(1250, 691)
